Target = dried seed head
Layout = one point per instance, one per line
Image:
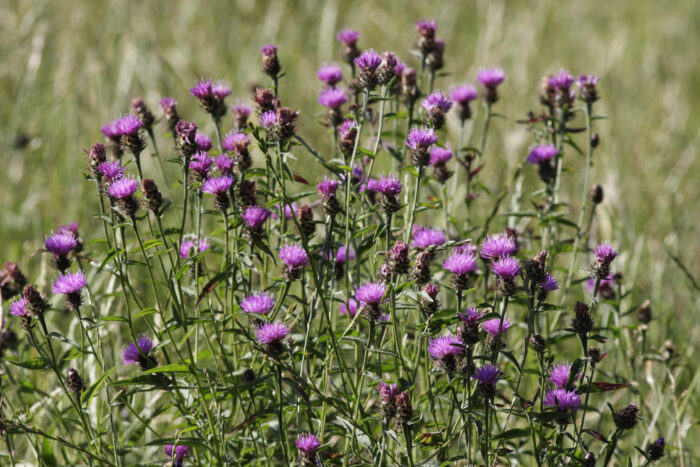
(582, 322)
(36, 303)
(151, 195)
(626, 418)
(594, 355)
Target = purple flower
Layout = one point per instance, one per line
(605, 253)
(111, 170)
(332, 98)
(425, 237)
(460, 264)
(236, 142)
(220, 90)
(202, 141)
(327, 187)
(549, 284)
(559, 375)
(61, 243)
(463, 94)
(217, 185)
(388, 185)
(350, 308)
(445, 346)
(308, 444)
(540, 154)
(180, 453)
(260, 303)
(269, 50)
(128, 125)
(268, 119)
(605, 287)
(561, 81)
(370, 293)
(201, 163)
(347, 129)
(368, 60)
(330, 74)
(562, 399)
(110, 130)
(437, 101)
(134, 353)
(470, 316)
(189, 244)
(18, 307)
(491, 326)
(69, 283)
(490, 78)
(440, 155)
(341, 256)
(123, 188)
(272, 332)
(426, 27)
(294, 256)
(241, 112)
(255, 216)
(167, 104)
(506, 267)
(388, 392)
(225, 164)
(202, 89)
(587, 80)
(487, 375)
(348, 37)
(421, 138)
(495, 246)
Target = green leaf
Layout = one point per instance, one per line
(513, 433)
(172, 368)
(35, 364)
(92, 390)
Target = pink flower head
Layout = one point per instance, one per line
(69, 283)
(111, 170)
(272, 332)
(128, 125)
(562, 81)
(605, 253)
(370, 293)
(18, 307)
(255, 216)
(490, 78)
(506, 267)
(189, 244)
(388, 185)
(491, 326)
(348, 37)
(327, 187)
(487, 375)
(308, 445)
(445, 346)
(176, 453)
(123, 188)
(201, 163)
(425, 237)
(225, 164)
(341, 256)
(217, 185)
(388, 392)
(349, 308)
(133, 353)
(368, 60)
(440, 156)
(562, 399)
(463, 94)
(495, 246)
(202, 141)
(294, 256)
(333, 98)
(61, 243)
(540, 154)
(559, 375)
(421, 138)
(470, 316)
(460, 264)
(259, 303)
(437, 101)
(426, 27)
(549, 284)
(330, 74)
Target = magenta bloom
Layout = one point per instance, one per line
(559, 375)
(241, 111)
(202, 89)
(425, 237)
(225, 164)
(341, 256)
(327, 187)
(426, 27)
(470, 316)
(549, 284)
(269, 333)
(294, 256)
(388, 185)
(202, 141)
(128, 125)
(308, 444)
(487, 375)
(421, 138)
(110, 130)
(123, 188)
(255, 216)
(180, 452)
(437, 101)
(189, 244)
(561, 81)
(69, 283)
(506, 267)
(260, 303)
(333, 98)
(540, 154)
(201, 163)
(348, 37)
(605, 287)
(217, 185)
(268, 119)
(605, 253)
(347, 130)
(370, 293)
(111, 170)
(134, 353)
(463, 94)
(269, 50)
(495, 246)
(18, 307)
(236, 142)
(61, 243)
(562, 399)
(368, 61)
(220, 90)
(490, 78)
(350, 308)
(491, 326)
(587, 80)
(330, 74)
(440, 155)
(388, 392)
(460, 264)
(167, 104)
(445, 346)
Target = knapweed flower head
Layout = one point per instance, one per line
(506, 267)
(241, 111)
(111, 170)
(330, 75)
(176, 453)
(470, 316)
(308, 445)
(655, 450)
(425, 237)
(387, 391)
(279, 123)
(185, 134)
(549, 284)
(426, 27)
(61, 243)
(69, 283)
(562, 399)
(294, 256)
(605, 254)
(270, 63)
(327, 187)
(123, 188)
(332, 98)
(437, 101)
(446, 349)
(139, 353)
(348, 309)
(347, 133)
(258, 303)
(225, 164)
(190, 247)
(541, 154)
(389, 185)
(387, 68)
(255, 216)
(18, 307)
(491, 77)
(271, 335)
(128, 125)
(111, 131)
(626, 417)
(463, 94)
(348, 36)
(236, 142)
(487, 375)
(367, 63)
(421, 138)
(169, 107)
(460, 263)
(217, 185)
(440, 156)
(201, 163)
(562, 81)
(587, 88)
(495, 246)
(211, 97)
(491, 326)
(370, 293)
(559, 375)
(202, 141)
(342, 255)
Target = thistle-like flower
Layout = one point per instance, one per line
(270, 63)
(446, 350)
(389, 187)
(563, 400)
(490, 79)
(330, 75)
(308, 446)
(496, 246)
(271, 335)
(487, 377)
(254, 218)
(425, 237)
(388, 393)
(140, 353)
(70, 285)
(219, 187)
(294, 258)
(462, 96)
(60, 245)
(436, 106)
(348, 38)
(605, 254)
(419, 141)
(176, 454)
(462, 266)
(439, 157)
(370, 295)
(211, 97)
(258, 303)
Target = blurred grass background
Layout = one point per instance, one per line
(69, 67)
